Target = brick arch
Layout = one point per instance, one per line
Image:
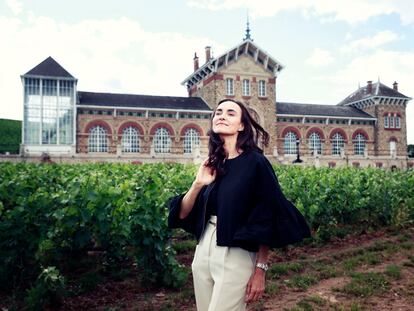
(393, 138)
(127, 124)
(385, 114)
(162, 124)
(360, 131)
(191, 125)
(291, 129)
(316, 130)
(94, 123)
(340, 131)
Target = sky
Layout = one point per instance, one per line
(328, 47)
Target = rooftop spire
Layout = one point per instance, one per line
(247, 37)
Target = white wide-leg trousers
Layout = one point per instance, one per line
(220, 273)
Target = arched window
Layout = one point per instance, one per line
(359, 144)
(338, 143)
(393, 148)
(290, 143)
(98, 139)
(162, 141)
(315, 144)
(191, 140)
(130, 139)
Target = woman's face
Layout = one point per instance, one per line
(227, 119)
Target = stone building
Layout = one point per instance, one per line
(368, 128)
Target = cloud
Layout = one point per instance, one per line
(112, 55)
(320, 57)
(379, 39)
(350, 11)
(15, 6)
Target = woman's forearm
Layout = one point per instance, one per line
(262, 254)
(188, 200)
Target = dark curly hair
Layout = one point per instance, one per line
(246, 140)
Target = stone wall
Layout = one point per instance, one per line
(213, 89)
(384, 135)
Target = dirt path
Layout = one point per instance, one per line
(324, 294)
(325, 266)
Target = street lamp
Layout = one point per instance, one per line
(297, 160)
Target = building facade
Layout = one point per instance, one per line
(368, 128)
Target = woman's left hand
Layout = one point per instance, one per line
(256, 285)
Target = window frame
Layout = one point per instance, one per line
(246, 87)
(262, 91)
(230, 86)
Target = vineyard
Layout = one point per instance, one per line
(60, 222)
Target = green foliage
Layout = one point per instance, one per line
(410, 151)
(11, 135)
(47, 291)
(58, 215)
(338, 201)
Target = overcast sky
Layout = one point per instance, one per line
(146, 47)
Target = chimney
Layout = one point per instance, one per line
(195, 62)
(395, 86)
(208, 53)
(369, 87)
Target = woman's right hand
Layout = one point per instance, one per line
(205, 174)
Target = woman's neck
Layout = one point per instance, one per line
(230, 146)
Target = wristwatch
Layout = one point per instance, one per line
(262, 266)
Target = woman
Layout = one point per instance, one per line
(236, 210)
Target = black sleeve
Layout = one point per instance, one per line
(188, 223)
(274, 221)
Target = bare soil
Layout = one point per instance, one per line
(387, 246)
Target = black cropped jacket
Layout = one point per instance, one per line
(251, 211)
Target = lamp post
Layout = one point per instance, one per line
(298, 159)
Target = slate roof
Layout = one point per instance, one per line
(320, 110)
(247, 47)
(378, 89)
(141, 101)
(49, 68)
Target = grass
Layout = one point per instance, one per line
(393, 271)
(366, 284)
(277, 270)
(271, 288)
(302, 281)
(309, 303)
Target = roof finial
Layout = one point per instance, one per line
(247, 37)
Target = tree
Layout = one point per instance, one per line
(11, 135)
(410, 151)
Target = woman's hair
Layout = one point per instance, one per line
(247, 139)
